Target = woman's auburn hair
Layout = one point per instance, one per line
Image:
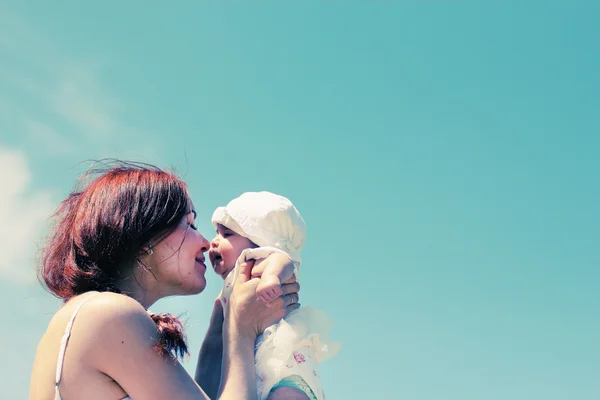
(99, 231)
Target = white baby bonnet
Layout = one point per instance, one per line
(267, 219)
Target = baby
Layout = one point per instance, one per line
(251, 227)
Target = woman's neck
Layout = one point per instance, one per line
(137, 289)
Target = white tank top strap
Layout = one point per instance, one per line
(63, 346)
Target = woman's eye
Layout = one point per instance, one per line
(194, 227)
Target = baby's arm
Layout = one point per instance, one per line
(274, 274)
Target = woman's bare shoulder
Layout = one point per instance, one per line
(110, 311)
(114, 305)
(93, 334)
(103, 305)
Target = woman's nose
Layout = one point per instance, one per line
(205, 244)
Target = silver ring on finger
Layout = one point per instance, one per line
(291, 299)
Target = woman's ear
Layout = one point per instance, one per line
(148, 249)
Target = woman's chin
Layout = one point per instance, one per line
(196, 290)
(191, 288)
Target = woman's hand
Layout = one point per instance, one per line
(248, 315)
(275, 258)
(246, 319)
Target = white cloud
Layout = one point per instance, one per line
(23, 217)
(54, 107)
(85, 104)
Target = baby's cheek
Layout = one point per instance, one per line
(230, 256)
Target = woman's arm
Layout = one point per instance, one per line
(238, 379)
(238, 376)
(210, 359)
(208, 368)
(120, 341)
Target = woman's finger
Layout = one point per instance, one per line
(293, 307)
(258, 268)
(290, 288)
(290, 299)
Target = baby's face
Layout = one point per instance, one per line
(225, 249)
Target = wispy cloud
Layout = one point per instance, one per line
(54, 105)
(23, 214)
(53, 141)
(59, 100)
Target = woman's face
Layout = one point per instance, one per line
(177, 262)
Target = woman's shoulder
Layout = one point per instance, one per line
(99, 320)
(100, 306)
(102, 317)
(95, 306)
(107, 324)
(112, 310)
(113, 304)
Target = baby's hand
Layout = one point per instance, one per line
(269, 288)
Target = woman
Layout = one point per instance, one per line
(125, 241)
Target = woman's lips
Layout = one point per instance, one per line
(201, 262)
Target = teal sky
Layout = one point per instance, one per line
(444, 155)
